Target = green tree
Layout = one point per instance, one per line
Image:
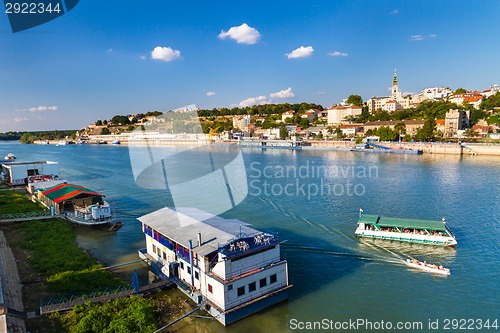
(470, 133)
(355, 100)
(338, 133)
(283, 131)
(476, 115)
(105, 122)
(121, 120)
(407, 137)
(27, 138)
(460, 91)
(428, 131)
(105, 131)
(491, 102)
(386, 133)
(98, 123)
(359, 140)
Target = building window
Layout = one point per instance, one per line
(182, 265)
(241, 291)
(210, 290)
(263, 282)
(196, 275)
(189, 270)
(230, 287)
(273, 278)
(252, 286)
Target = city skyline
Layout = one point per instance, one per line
(98, 60)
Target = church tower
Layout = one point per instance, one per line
(395, 88)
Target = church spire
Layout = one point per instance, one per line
(395, 80)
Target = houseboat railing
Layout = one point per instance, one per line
(235, 274)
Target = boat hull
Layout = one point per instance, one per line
(409, 238)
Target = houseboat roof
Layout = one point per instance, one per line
(402, 223)
(64, 192)
(184, 224)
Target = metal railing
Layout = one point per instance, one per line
(24, 216)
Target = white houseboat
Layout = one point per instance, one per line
(22, 173)
(224, 264)
(405, 230)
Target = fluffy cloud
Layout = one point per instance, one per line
(338, 54)
(244, 34)
(432, 35)
(40, 108)
(211, 93)
(260, 100)
(301, 52)
(285, 93)
(417, 38)
(165, 54)
(395, 12)
(142, 57)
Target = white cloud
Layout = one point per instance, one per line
(285, 93)
(110, 50)
(417, 38)
(211, 93)
(142, 57)
(259, 100)
(432, 35)
(165, 54)
(244, 34)
(40, 108)
(338, 54)
(20, 119)
(395, 12)
(301, 52)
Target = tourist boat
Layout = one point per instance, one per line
(10, 156)
(405, 230)
(431, 268)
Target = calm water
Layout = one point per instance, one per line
(335, 275)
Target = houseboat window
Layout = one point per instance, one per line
(241, 291)
(164, 256)
(159, 251)
(189, 270)
(273, 278)
(196, 275)
(182, 265)
(230, 287)
(154, 248)
(252, 286)
(210, 290)
(263, 282)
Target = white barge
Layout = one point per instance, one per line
(405, 230)
(224, 265)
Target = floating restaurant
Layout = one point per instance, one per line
(77, 204)
(226, 266)
(22, 173)
(405, 230)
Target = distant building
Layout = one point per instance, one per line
(338, 114)
(440, 125)
(351, 130)
(412, 126)
(481, 130)
(310, 115)
(232, 268)
(474, 98)
(241, 122)
(456, 120)
(287, 114)
(434, 94)
(494, 89)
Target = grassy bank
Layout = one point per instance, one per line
(50, 263)
(16, 202)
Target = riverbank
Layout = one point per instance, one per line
(41, 259)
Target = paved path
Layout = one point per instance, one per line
(11, 287)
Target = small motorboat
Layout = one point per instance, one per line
(116, 226)
(10, 156)
(431, 268)
(116, 142)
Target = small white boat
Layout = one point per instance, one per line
(10, 156)
(431, 268)
(116, 142)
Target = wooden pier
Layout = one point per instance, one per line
(66, 306)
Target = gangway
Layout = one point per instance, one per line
(371, 144)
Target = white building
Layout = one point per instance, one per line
(473, 98)
(432, 94)
(338, 114)
(494, 89)
(287, 114)
(22, 173)
(234, 269)
(241, 122)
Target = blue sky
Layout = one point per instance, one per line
(97, 60)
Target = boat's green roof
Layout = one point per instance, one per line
(402, 223)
